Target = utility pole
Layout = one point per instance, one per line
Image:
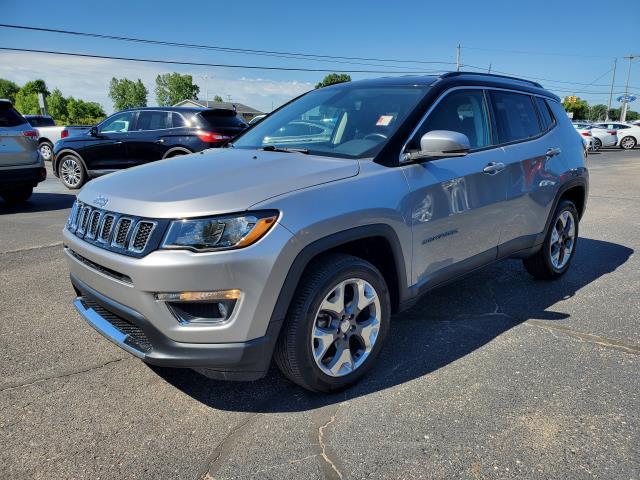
(206, 87)
(458, 58)
(613, 80)
(489, 71)
(625, 104)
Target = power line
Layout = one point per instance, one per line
(246, 51)
(526, 52)
(203, 64)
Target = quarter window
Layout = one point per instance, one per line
(546, 117)
(153, 120)
(121, 122)
(515, 116)
(178, 120)
(463, 111)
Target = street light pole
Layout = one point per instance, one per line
(458, 58)
(613, 80)
(625, 104)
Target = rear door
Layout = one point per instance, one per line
(148, 141)
(108, 150)
(524, 127)
(456, 203)
(16, 147)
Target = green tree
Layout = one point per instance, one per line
(27, 103)
(614, 114)
(598, 112)
(81, 112)
(57, 105)
(8, 89)
(36, 86)
(631, 116)
(580, 108)
(126, 93)
(172, 88)
(218, 98)
(333, 78)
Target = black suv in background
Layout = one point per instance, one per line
(135, 137)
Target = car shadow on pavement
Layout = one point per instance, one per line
(447, 324)
(40, 202)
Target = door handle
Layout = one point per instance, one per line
(494, 167)
(552, 152)
(160, 141)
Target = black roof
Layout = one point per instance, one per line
(170, 109)
(453, 79)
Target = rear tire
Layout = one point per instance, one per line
(72, 172)
(597, 144)
(628, 143)
(46, 150)
(336, 324)
(17, 195)
(559, 246)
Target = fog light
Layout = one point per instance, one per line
(199, 296)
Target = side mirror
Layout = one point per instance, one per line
(440, 144)
(93, 131)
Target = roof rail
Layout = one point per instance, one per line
(455, 74)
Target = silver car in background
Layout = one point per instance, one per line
(21, 166)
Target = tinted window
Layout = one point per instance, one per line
(153, 120)
(121, 122)
(178, 120)
(41, 121)
(462, 111)
(9, 117)
(214, 119)
(546, 117)
(516, 118)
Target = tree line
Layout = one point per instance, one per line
(583, 111)
(63, 109)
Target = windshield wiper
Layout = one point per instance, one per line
(273, 148)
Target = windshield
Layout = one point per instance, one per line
(350, 122)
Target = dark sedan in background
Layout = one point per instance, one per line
(143, 135)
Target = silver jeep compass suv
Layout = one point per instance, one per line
(299, 240)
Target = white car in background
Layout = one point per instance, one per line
(628, 135)
(587, 137)
(603, 137)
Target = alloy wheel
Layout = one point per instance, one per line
(346, 327)
(628, 143)
(563, 239)
(71, 172)
(45, 151)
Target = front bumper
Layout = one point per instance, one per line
(134, 333)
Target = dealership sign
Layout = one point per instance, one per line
(626, 98)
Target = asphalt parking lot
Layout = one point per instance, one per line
(494, 376)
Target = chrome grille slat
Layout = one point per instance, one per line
(127, 235)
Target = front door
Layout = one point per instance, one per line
(455, 202)
(108, 150)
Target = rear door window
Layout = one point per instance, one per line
(463, 111)
(515, 116)
(546, 117)
(153, 120)
(178, 120)
(9, 116)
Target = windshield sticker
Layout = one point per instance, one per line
(384, 120)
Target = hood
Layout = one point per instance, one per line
(212, 182)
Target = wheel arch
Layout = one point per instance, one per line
(575, 190)
(62, 153)
(175, 150)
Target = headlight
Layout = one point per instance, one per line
(219, 233)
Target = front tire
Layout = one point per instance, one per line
(336, 324)
(17, 195)
(72, 172)
(628, 143)
(46, 151)
(559, 246)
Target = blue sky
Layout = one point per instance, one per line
(415, 30)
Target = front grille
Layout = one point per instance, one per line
(137, 338)
(128, 235)
(122, 229)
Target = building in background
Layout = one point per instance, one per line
(246, 112)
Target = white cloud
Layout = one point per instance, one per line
(88, 78)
